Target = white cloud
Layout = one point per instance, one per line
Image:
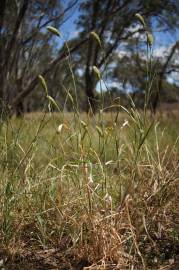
(174, 77)
(74, 34)
(161, 51)
(121, 53)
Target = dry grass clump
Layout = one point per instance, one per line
(105, 196)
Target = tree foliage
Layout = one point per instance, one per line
(116, 25)
(111, 38)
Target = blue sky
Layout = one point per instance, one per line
(68, 29)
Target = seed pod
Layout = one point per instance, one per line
(96, 37)
(53, 30)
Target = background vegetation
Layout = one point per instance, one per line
(27, 49)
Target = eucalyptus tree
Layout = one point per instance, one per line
(26, 48)
(115, 23)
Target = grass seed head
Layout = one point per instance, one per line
(54, 31)
(95, 36)
(150, 39)
(126, 123)
(97, 72)
(43, 83)
(140, 19)
(59, 129)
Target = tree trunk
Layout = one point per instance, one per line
(155, 103)
(89, 88)
(20, 110)
(2, 13)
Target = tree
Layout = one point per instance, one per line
(26, 47)
(166, 68)
(157, 68)
(115, 22)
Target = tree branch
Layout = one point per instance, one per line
(49, 21)
(25, 92)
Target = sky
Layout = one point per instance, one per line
(68, 29)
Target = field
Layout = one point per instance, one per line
(80, 191)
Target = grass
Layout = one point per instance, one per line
(96, 192)
(90, 192)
